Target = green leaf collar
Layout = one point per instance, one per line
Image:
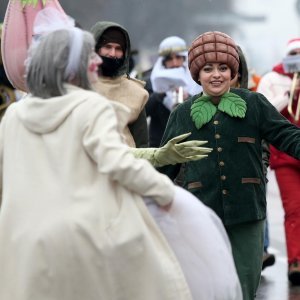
(203, 110)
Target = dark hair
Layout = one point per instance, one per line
(169, 56)
(243, 70)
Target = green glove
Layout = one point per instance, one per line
(173, 153)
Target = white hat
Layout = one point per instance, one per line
(172, 44)
(292, 44)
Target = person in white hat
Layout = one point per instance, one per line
(171, 83)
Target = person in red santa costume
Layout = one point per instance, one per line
(277, 88)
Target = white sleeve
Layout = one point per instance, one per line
(103, 143)
(275, 88)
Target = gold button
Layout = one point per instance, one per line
(219, 149)
(223, 177)
(224, 192)
(221, 163)
(216, 122)
(217, 136)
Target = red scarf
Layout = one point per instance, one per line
(279, 69)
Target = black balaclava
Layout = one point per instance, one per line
(110, 66)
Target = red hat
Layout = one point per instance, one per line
(292, 44)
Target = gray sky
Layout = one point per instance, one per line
(261, 27)
(264, 42)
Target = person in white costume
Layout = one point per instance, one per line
(73, 223)
(281, 87)
(170, 70)
(170, 84)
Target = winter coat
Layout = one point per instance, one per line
(125, 90)
(132, 94)
(73, 224)
(231, 180)
(276, 87)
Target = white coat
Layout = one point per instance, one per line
(73, 225)
(275, 88)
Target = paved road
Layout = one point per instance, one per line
(274, 283)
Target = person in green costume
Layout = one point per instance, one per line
(234, 121)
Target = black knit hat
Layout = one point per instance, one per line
(112, 35)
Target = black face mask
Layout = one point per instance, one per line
(110, 66)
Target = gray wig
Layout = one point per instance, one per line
(47, 62)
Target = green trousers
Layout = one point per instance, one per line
(247, 242)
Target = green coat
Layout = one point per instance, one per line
(231, 180)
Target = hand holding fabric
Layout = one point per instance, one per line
(173, 152)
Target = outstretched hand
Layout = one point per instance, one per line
(174, 152)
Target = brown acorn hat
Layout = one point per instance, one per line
(212, 47)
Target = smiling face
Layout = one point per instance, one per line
(215, 79)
